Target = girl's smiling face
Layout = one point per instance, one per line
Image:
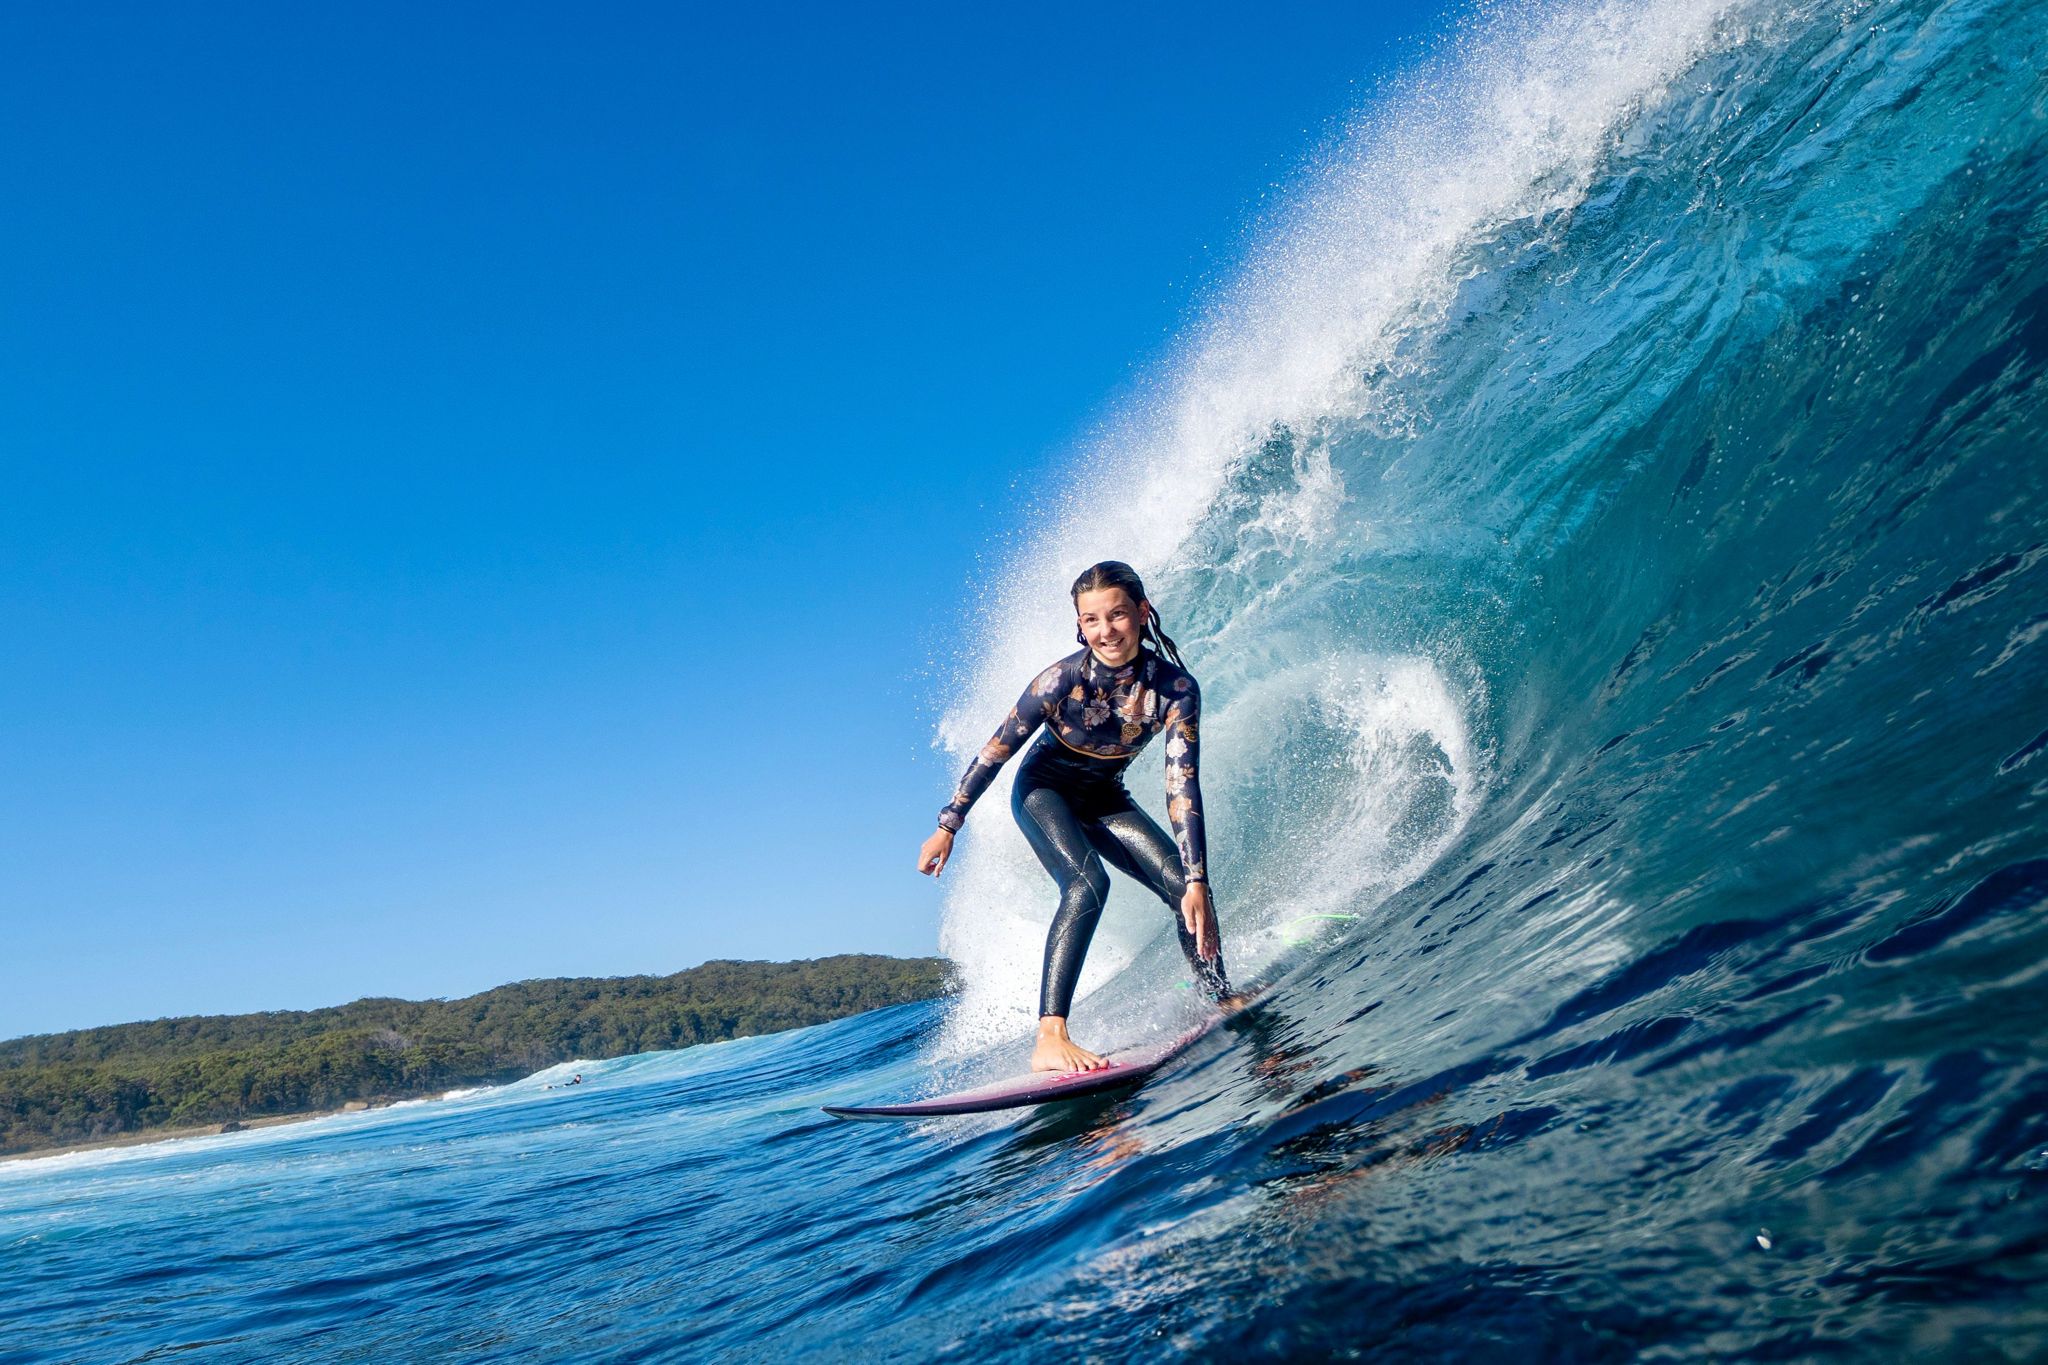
(1111, 623)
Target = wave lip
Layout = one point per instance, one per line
(1232, 488)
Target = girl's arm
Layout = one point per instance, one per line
(1025, 717)
(1184, 809)
(1183, 783)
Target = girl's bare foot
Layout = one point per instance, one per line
(1057, 1052)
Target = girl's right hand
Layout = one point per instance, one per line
(931, 859)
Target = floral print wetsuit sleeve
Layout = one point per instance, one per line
(1025, 717)
(1183, 784)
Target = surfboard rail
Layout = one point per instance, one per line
(1127, 1068)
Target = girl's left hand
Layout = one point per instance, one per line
(1198, 912)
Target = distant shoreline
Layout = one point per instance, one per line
(189, 1076)
(146, 1136)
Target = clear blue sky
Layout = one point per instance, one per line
(488, 488)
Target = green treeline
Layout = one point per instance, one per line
(60, 1088)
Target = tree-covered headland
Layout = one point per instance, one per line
(61, 1088)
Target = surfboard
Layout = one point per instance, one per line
(1127, 1067)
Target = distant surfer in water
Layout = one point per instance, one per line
(1099, 707)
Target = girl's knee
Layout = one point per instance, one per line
(1082, 898)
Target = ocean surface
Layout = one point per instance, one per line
(1606, 507)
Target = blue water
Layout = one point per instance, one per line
(1607, 510)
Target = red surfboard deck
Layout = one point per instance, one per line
(1126, 1068)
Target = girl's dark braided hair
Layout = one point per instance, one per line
(1114, 573)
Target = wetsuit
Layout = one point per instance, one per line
(1070, 800)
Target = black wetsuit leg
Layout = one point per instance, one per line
(1134, 845)
(1057, 836)
(1075, 813)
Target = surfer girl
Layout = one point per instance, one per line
(1100, 705)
